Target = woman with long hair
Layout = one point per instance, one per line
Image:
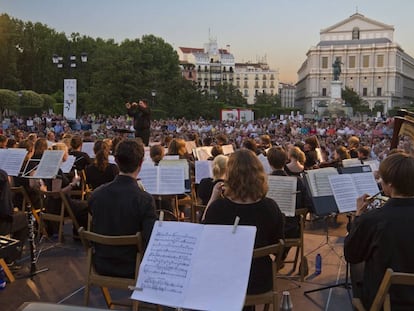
(100, 171)
(243, 194)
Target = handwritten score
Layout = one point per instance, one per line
(200, 267)
(283, 189)
(11, 160)
(347, 188)
(203, 169)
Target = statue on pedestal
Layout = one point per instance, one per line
(336, 69)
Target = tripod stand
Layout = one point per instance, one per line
(346, 284)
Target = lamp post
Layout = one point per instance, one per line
(69, 85)
(153, 94)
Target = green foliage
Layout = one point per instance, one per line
(352, 98)
(230, 96)
(266, 105)
(30, 103)
(9, 100)
(48, 101)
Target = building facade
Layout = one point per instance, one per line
(210, 66)
(373, 65)
(287, 93)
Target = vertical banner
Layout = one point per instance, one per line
(69, 99)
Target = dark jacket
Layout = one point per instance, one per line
(382, 239)
(120, 208)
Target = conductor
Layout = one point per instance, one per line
(142, 119)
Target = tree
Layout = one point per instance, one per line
(230, 96)
(352, 98)
(9, 100)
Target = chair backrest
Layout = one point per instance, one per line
(382, 298)
(88, 238)
(275, 252)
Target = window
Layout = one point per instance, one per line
(380, 60)
(324, 62)
(364, 91)
(365, 61)
(237, 83)
(351, 61)
(324, 91)
(246, 93)
(190, 74)
(379, 91)
(264, 77)
(355, 33)
(264, 85)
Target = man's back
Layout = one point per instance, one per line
(120, 208)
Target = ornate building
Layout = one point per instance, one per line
(373, 65)
(210, 66)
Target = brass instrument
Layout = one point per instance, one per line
(376, 201)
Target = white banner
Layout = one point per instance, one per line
(69, 99)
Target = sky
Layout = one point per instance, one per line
(278, 31)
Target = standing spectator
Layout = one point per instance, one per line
(142, 119)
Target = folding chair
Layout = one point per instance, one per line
(59, 218)
(275, 252)
(382, 298)
(89, 239)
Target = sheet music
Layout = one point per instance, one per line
(318, 181)
(344, 191)
(11, 160)
(373, 164)
(283, 189)
(195, 266)
(68, 164)
(87, 147)
(162, 179)
(265, 163)
(203, 169)
(227, 149)
(179, 163)
(49, 164)
(190, 145)
(351, 162)
(348, 187)
(203, 153)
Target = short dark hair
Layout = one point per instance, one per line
(129, 155)
(398, 169)
(277, 157)
(76, 142)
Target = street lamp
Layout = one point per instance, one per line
(153, 94)
(69, 85)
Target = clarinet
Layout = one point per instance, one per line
(30, 220)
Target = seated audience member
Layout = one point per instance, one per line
(3, 141)
(100, 171)
(122, 208)
(250, 143)
(381, 238)
(297, 158)
(206, 185)
(244, 195)
(265, 144)
(11, 222)
(11, 143)
(157, 153)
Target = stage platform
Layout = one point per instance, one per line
(63, 283)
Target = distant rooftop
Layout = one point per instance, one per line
(187, 50)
